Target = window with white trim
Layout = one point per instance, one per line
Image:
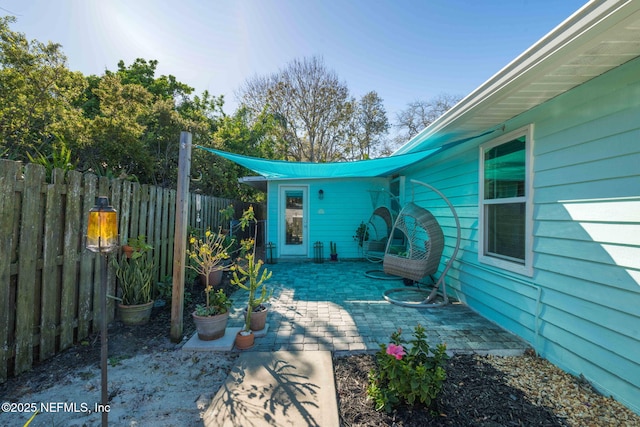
(505, 202)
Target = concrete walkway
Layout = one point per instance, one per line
(278, 388)
(317, 310)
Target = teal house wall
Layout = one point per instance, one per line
(580, 307)
(344, 205)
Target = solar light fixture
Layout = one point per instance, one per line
(102, 231)
(102, 238)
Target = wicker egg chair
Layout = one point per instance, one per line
(378, 232)
(420, 254)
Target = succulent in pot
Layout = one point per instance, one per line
(249, 274)
(135, 276)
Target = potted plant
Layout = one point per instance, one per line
(251, 277)
(138, 244)
(362, 234)
(208, 256)
(135, 276)
(334, 251)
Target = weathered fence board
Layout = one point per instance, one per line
(51, 279)
(85, 285)
(8, 176)
(28, 282)
(72, 244)
(49, 282)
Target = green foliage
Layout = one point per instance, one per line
(217, 303)
(206, 256)
(60, 158)
(333, 248)
(135, 276)
(140, 245)
(362, 234)
(408, 372)
(37, 93)
(251, 277)
(164, 289)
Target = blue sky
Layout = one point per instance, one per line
(404, 50)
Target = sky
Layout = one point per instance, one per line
(404, 50)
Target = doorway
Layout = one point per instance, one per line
(293, 221)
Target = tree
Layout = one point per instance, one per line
(370, 125)
(38, 95)
(420, 114)
(310, 104)
(116, 133)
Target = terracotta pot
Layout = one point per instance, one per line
(244, 342)
(135, 314)
(128, 250)
(210, 328)
(258, 318)
(334, 257)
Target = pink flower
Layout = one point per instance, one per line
(396, 350)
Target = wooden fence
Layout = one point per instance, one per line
(49, 282)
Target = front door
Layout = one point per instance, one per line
(293, 221)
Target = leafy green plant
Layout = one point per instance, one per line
(333, 248)
(164, 289)
(227, 214)
(362, 234)
(408, 372)
(139, 245)
(217, 303)
(60, 158)
(135, 276)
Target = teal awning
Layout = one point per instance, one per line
(280, 169)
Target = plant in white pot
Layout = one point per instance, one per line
(250, 275)
(206, 256)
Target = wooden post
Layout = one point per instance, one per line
(179, 245)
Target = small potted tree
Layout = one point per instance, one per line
(208, 256)
(135, 276)
(252, 277)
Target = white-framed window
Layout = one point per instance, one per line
(505, 220)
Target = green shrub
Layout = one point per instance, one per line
(408, 372)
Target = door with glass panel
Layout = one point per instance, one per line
(293, 221)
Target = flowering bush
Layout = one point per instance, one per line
(206, 256)
(407, 372)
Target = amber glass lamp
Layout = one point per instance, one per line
(102, 237)
(102, 232)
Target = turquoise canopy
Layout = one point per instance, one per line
(280, 169)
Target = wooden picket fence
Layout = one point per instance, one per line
(49, 282)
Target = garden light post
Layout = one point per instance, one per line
(102, 238)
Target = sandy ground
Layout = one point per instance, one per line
(169, 388)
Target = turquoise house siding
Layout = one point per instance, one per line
(581, 307)
(346, 203)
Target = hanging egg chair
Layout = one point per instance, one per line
(420, 253)
(378, 231)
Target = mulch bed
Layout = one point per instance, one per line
(474, 394)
